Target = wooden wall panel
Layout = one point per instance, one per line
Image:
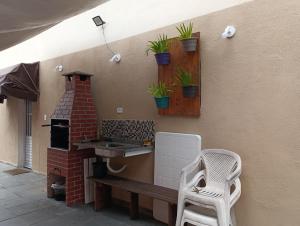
(190, 61)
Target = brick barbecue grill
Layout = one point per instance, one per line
(73, 120)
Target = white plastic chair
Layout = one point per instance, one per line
(198, 217)
(220, 169)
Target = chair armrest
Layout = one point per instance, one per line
(236, 173)
(236, 193)
(188, 170)
(195, 180)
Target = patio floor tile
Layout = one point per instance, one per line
(23, 202)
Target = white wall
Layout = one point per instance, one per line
(124, 18)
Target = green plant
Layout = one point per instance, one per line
(184, 77)
(185, 32)
(161, 45)
(159, 90)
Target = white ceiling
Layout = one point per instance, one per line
(22, 19)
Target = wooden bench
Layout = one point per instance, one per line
(103, 196)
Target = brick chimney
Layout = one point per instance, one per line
(74, 119)
(78, 107)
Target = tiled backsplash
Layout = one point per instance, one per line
(128, 130)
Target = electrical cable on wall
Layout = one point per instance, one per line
(104, 37)
(116, 57)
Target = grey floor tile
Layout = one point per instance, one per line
(23, 202)
(5, 214)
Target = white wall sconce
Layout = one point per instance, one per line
(59, 68)
(229, 32)
(116, 58)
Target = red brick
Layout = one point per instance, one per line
(73, 172)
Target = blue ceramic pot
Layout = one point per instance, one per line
(162, 58)
(162, 102)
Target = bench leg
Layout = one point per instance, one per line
(107, 196)
(98, 205)
(172, 212)
(134, 205)
(102, 196)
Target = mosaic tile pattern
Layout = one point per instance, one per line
(135, 131)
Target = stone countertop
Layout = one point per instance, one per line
(115, 149)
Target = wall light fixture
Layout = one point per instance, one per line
(229, 32)
(98, 21)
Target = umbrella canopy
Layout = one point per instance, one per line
(21, 81)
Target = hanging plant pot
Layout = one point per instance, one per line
(162, 102)
(189, 45)
(190, 91)
(162, 58)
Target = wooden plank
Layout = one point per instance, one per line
(179, 105)
(134, 206)
(154, 191)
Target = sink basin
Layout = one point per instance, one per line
(113, 145)
(112, 149)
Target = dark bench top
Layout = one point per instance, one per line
(151, 190)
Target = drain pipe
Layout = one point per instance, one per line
(110, 169)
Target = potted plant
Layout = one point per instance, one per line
(160, 92)
(189, 42)
(160, 48)
(189, 89)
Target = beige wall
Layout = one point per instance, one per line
(137, 17)
(11, 130)
(250, 102)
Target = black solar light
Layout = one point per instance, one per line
(98, 21)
